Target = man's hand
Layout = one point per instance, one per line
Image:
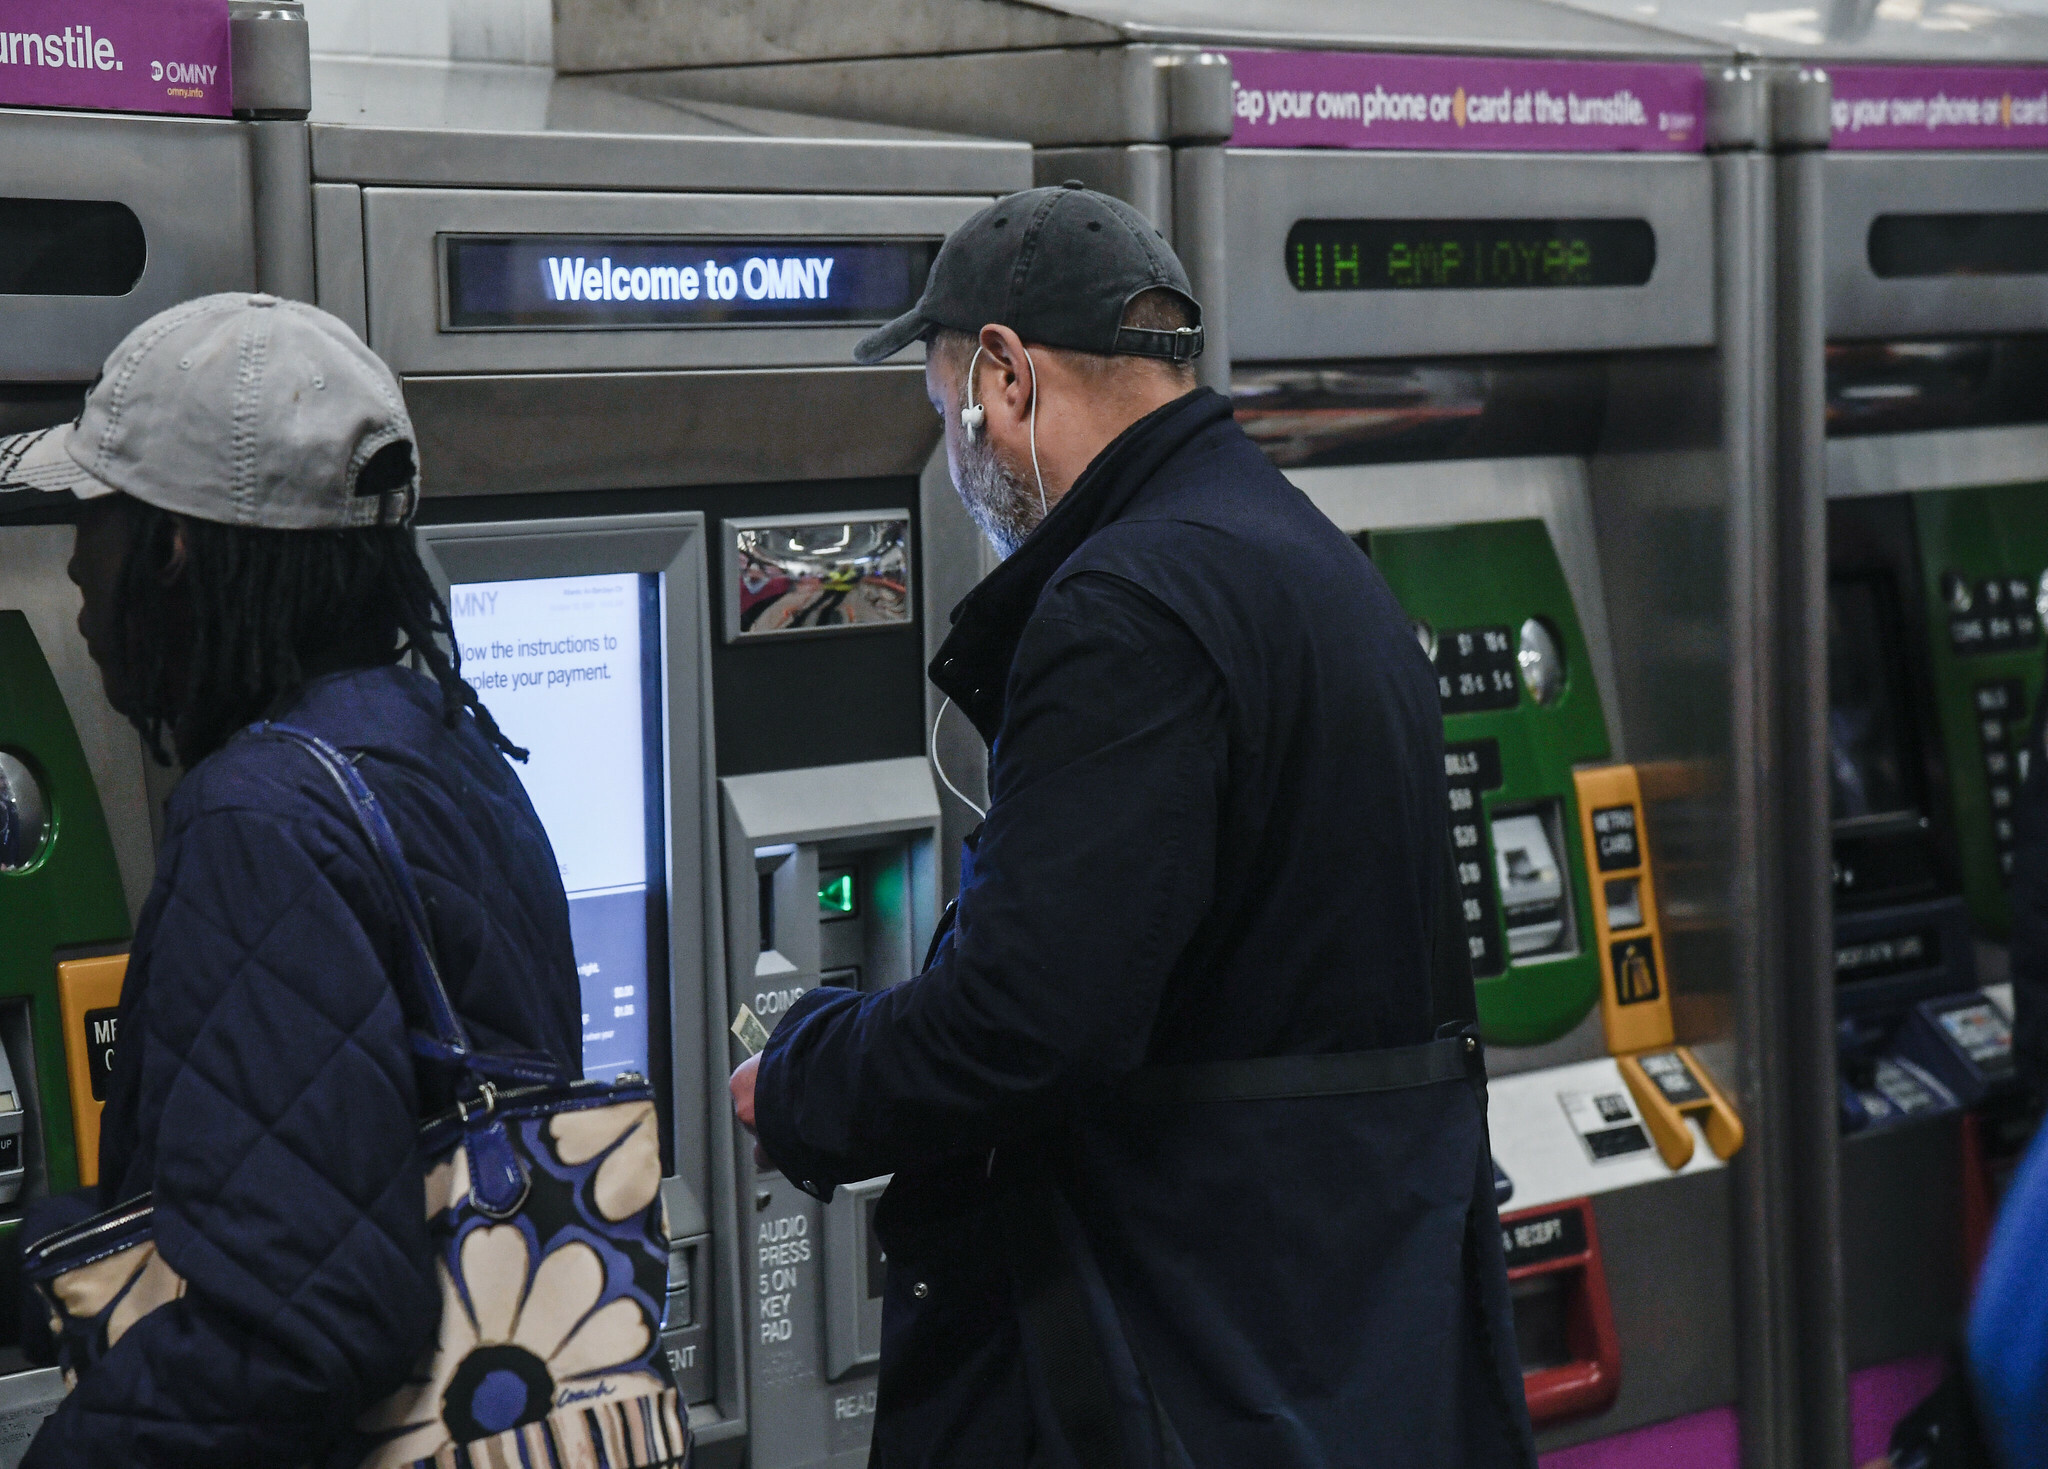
(742, 1087)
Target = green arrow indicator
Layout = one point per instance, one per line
(836, 896)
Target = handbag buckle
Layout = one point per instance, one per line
(487, 1103)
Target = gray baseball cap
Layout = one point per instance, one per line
(1057, 266)
(238, 408)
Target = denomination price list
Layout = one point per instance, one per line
(1470, 770)
(1475, 669)
(2000, 615)
(2001, 710)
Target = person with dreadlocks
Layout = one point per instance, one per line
(246, 470)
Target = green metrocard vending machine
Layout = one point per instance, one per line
(1934, 663)
(60, 900)
(1557, 890)
(62, 916)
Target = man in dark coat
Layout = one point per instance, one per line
(243, 554)
(1183, 1174)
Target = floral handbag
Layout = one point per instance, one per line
(543, 1196)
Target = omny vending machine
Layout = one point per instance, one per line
(680, 535)
(1523, 381)
(1937, 520)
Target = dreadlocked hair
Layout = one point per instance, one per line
(260, 612)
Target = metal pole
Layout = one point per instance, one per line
(273, 93)
(1738, 132)
(1200, 118)
(1800, 131)
(281, 165)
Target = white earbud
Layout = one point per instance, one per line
(973, 415)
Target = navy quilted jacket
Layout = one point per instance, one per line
(263, 1088)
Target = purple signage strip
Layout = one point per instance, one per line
(1974, 107)
(116, 55)
(1352, 99)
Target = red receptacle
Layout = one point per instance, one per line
(1564, 1323)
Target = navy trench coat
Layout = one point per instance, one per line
(1216, 832)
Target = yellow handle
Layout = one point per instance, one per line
(1698, 1097)
(88, 991)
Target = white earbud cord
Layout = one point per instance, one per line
(945, 779)
(1042, 511)
(971, 419)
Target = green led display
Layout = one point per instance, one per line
(1468, 254)
(835, 895)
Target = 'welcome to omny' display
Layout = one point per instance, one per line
(548, 282)
(571, 669)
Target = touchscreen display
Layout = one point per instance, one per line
(571, 669)
(1870, 772)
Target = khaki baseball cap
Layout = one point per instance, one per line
(238, 408)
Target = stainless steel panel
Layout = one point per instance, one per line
(520, 434)
(1945, 458)
(614, 35)
(1843, 30)
(1140, 174)
(1861, 186)
(341, 282)
(1271, 321)
(1073, 98)
(494, 127)
(188, 181)
(1668, 1251)
(400, 226)
(1904, 1277)
(1452, 25)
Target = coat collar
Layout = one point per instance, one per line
(973, 665)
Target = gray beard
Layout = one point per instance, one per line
(1002, 503)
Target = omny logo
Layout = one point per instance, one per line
(185, 73)
(75, 48)
(791, 278)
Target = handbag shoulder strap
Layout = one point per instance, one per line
(446, 1040)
